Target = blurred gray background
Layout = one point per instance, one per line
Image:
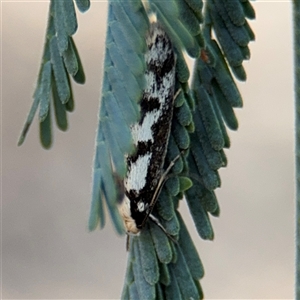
(47, 251)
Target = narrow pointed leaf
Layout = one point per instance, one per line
(83, 5)
(59, 72)
(46, 132)
(44, 94)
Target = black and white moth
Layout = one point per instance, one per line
(145, 173)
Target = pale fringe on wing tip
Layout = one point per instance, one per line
(129, 222)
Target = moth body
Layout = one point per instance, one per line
(151, 133)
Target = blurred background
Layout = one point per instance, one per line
(47, 251)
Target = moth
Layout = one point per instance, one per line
(145, 175)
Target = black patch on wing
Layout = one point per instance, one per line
(142, 149)
(148, 104)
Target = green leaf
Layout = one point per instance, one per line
(133, 292)
(171, 226)
(209, 176)
(225, 108)
(173, 185)
(196, 6)
(182, 70)
(185, 183)
(179, 35)
(83, 5)
(59, 108)
(209, 118)
(102, 161)
(29, 119)
(164, 205)
(225, 80)
(59, 22)
(199, 216)
(237, 31)
(235, 11)
(172, 152)
(159, 292)
(132, 35)
(213, 157)
(127, 106)
(164, 274)
(248, 10)
(70, 59)
(69, 16)
(46, 132)
(125, 50)
(172, 291)
(60, 75)
(161, 244)
(124, 80)
(44, 91)
(229, 46)
(184, 115)
(189, 251)
(148, 257)
(79, 77)
(115, 120)
(180, 134)
(96, 212)
(188, 18)
(143, 287)
(70, 105)
(183, 277)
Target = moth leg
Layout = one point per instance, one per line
(176, 94)
(156, 221)
(159, 187)
(162, 181)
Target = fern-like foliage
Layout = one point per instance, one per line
(122, 89)
(60, 61)
(216, 36)
(216, 94)
(159, 268)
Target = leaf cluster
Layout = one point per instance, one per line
(60, 61)
(200, 126)
(216, 35)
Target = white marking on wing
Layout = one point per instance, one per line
(141, 206)
(160, 52)
(164, 91)
(136, 177)
(143, 132)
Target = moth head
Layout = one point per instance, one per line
(129, 222)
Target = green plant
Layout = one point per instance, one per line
(217, 38)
